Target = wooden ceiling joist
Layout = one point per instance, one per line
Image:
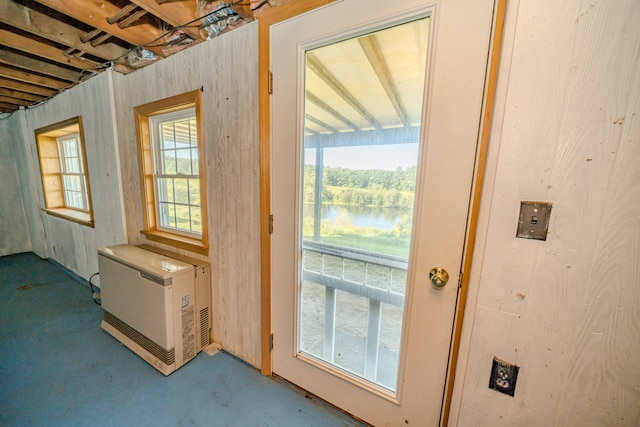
(175, 13)
(42, 25)
(14, 101)
(34, 47)
(20, 95)
(25, 87)
(121, 13)
(95, 14)
(27, 63)
(7, 108)
(131, 19)
(31, 78)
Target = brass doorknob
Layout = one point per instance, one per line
(439, 277)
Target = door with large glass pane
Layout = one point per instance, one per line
(375, 110)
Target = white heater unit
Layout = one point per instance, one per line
(156, 303)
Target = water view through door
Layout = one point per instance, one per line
(357, 163)
(374, 123)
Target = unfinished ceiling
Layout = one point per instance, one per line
(47, 46)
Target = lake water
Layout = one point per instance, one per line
(362, 216)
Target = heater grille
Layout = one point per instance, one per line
(168, 357)
(204, 327)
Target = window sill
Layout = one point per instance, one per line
(181, 242)
(82, 218)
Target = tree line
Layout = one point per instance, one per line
(367, 187)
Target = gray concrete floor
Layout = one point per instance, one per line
(58, 368)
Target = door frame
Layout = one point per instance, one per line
(296, 7)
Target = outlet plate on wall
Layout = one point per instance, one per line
(503, 377)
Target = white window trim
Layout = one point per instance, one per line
(63, 171)
(154, 130)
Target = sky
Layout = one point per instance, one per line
(384, 157)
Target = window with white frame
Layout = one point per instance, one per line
(172, 172)
(174, 139)
(74, 181)
(63, 169)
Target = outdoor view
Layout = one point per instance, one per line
(363, 109)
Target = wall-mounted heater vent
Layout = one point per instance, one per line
(156, 303)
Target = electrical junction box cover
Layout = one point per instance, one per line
(534, 220)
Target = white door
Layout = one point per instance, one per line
(375, 114)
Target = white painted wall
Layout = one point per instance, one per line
(14, 233)
(566, 130)
(70, 244)
(566, 310)
(226, 69)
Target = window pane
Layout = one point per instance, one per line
(176, 154)
(196, 219)
(183, 157)
(167, 138)
(183, 139)
(181, 190)
(168, 162)
(183, 218)
(165, 190)
(194, 191)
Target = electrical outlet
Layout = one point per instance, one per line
(503, 377)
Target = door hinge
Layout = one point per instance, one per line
(270, 85)
(270, 224)
(460, 280)
(271, 342)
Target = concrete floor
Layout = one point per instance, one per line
(58, 368)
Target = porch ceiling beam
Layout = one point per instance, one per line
(405, 135)
(25, 87)
(321, 123)
(31, 78)
(95, 14)
(35, 22)
(34, 47)
(175, 14)
(371, 48)
(329, 109)
(27, 63)
(321, 71)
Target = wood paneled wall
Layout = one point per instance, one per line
(226, 70)
(73, 245)
(14, 231)
(566, 310)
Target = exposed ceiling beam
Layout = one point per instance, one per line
(371, 48)
(95, 14)
(14, 101)
(321, 123)
(121, 13)
(175, 14)
(20, 95)
(7, 108)
(25, 87)
(131, 19)
(326, 76)
(25, 62)
(40, 24)
(326, 107)
(31, 78)
(28, 45)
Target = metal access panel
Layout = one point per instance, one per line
(534, 220)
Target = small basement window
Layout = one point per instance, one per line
(63, 169)
(171, 159)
